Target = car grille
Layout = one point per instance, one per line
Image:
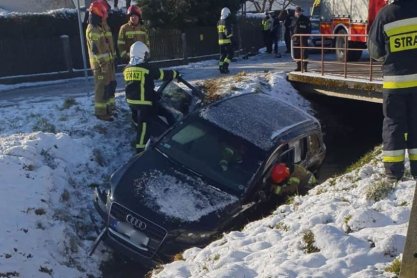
(154, 232)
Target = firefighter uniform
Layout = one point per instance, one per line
(101, 60)
(128, 34)
(300, 25)
(224, 29)
(111, 89)
(300, 179)
(393, 40)
(141, 97)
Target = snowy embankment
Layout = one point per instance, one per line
(53, 151)
(350, 226)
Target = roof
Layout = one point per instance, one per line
(258, 118)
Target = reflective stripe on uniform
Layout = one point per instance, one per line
(141, 144)
(400, 81)
(161, 74)
(402, 34)
(132, 33)
(401, 26)
(137, 74)
(225, 41)
(412, 154)
(393, 156)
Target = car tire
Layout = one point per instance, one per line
(340, 48)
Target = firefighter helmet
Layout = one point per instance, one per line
(134, 10)
(225, 13)
(139, 53)
(98, 8)
(280, 173)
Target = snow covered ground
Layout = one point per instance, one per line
(53, 151)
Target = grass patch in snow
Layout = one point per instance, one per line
(379, 190)
(282, 227)
(309, 240)
(68, 103)
(43, 125)
(394, 266)
(178, 257)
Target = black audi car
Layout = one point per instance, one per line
(207, 174)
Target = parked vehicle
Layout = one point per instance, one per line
(315, 40)
(348, 17)
(207, 174)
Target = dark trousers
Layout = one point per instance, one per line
(297, 55)
(226, 52)
(148, 124)
(287, 38)
(399, 132)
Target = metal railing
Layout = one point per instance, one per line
(328, 63)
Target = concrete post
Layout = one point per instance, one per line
(67, 52)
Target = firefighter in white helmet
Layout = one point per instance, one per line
(225, 31)
(141, 97)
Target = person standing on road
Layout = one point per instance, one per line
(393, 40)
(101, 57)
(275, 34)
(224, 29)
(289, 15)
(141, 97)
(131, 32)
(300, 25)
(266, 32)
(111, 89)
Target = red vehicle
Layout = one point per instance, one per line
(347, 17)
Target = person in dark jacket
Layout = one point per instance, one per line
(225, 32)
(393, 40)
(266, 32)
(141, 97)
(288, 17)
(275, 34)
(300, 25)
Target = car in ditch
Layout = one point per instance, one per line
(207, 174)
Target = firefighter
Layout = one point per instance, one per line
(266, 32)
(131, 32)
(139, 76)
(101, 58)
(300, 25)
(224, 29)
(289, 180)
(111, 89)
(393, 40)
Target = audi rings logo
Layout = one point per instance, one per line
(139, 224)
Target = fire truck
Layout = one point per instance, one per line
(347, 17)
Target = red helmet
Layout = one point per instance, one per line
(134, 10)
(98, 8)
(280, 173)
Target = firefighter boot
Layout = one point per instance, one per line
(226, 68)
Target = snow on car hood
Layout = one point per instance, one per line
(180, 196)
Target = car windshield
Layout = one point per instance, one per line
(214, 153)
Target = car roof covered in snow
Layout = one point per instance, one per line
(259, 118)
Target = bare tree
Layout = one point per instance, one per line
(262, 6)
